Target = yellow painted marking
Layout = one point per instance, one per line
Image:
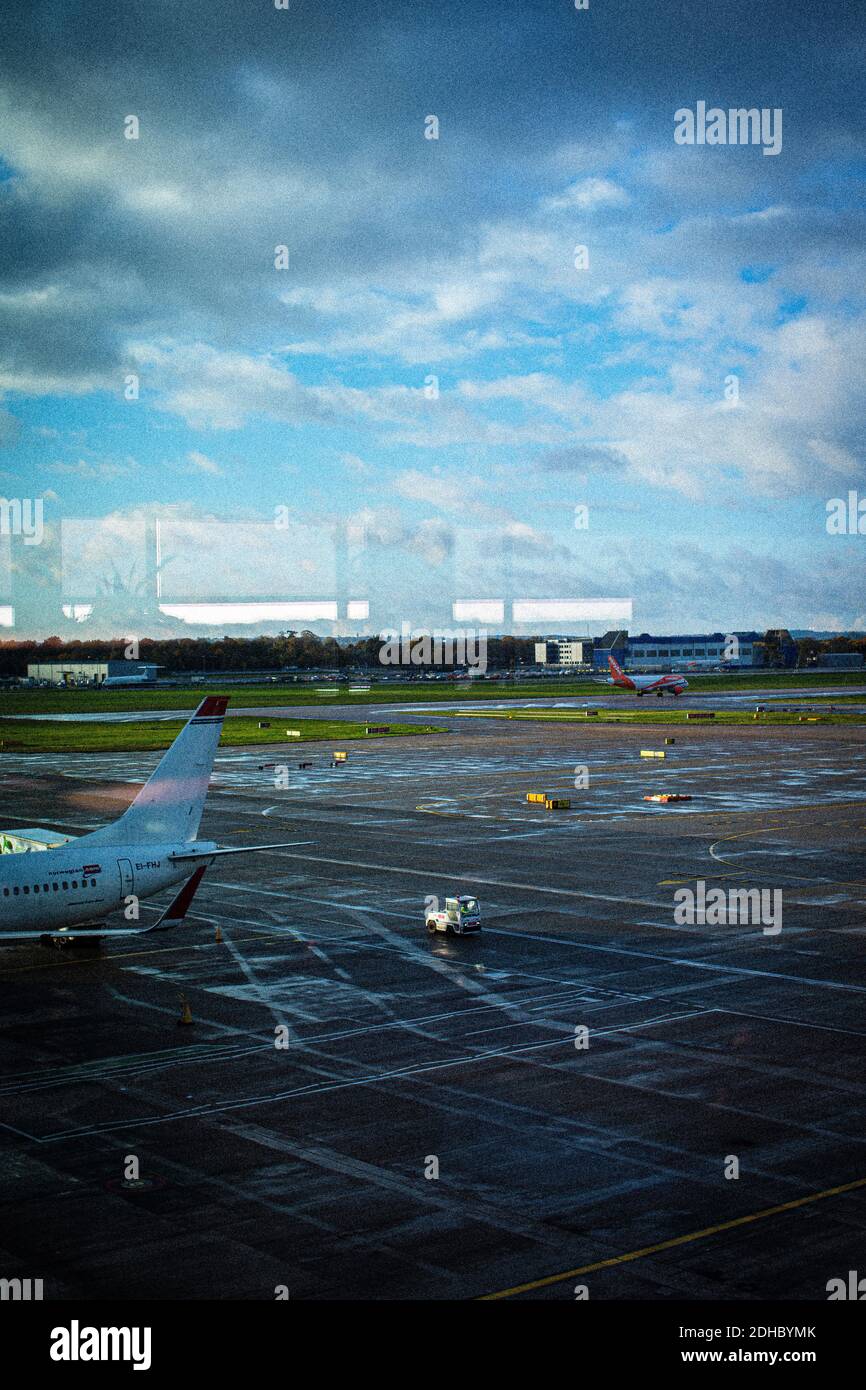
(692, 878)
(834, 883)
(677, 1240)
(747, 834)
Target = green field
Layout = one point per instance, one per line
(829, 699)
(25, 736)
(14, 702)
(659, 716)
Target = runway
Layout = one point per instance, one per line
(435, 1127)
(820, 696)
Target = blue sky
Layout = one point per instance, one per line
(306, 391)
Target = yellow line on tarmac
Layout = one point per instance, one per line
(834, 883)
(707, 874)
(749, 834)
(677, 1240)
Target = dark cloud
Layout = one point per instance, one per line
(305, 127)
(584, 458)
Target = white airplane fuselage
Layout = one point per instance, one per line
(152, 846)
(54, 889)
(118, 682)
(641, 685)
(673, 683)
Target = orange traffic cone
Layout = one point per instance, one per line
(218, 936)
(185, 1012)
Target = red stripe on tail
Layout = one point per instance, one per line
(211, 707)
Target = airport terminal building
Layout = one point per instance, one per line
(86, 672)
(648, 653)
(709, 649)
(564, 651)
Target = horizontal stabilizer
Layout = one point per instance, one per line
(212, 853)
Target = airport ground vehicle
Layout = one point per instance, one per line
(461, 915)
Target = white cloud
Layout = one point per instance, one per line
(447, 493)
(355, 464)
(586, 195)
(201, 463)
(99, 470)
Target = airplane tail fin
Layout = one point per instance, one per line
(170, 804)
(619, 675)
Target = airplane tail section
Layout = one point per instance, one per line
(619, 675)
(170, 804)
(178, 908)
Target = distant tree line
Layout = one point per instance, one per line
(303, 651)
(185, 655)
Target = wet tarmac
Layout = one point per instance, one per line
(435, 1126)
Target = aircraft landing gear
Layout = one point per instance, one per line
(60, 940)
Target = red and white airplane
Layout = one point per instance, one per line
(641, 685)
(152, 846)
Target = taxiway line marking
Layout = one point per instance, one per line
(677, 960)
(468, 875)
(341, 1083)
(674, 1242)
(708, 873)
